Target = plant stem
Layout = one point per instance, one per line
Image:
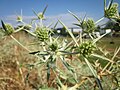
(19, 29)
(91, 36)
(71, 34)
(20, 43)
(99, 20)
(30, 33)
(114, 57)
(94, 73)
(105, 67)
(41, 24)
(111, 60)
(91, 68)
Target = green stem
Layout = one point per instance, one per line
(91, 36)
(19, 29)
(112, 62)
(91, 68)
(30, 33)
(71, 34)
(41, 24)
(94, 73)
(59, 81)
(20, 43)
(99, 20)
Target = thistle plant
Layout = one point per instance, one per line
(55, 51)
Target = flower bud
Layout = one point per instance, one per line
(86, 49)
(88, 26)
(42, 33)
(9, 30)
(112, 12)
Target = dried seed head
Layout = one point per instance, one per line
(42, 33)
(112, 12)
(9, 30)
(86, 49)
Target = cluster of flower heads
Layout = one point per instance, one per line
(86, 49)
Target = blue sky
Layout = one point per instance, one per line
(56, 9)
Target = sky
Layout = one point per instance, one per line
(57, 9)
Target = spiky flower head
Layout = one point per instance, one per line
(9, 29)
(112, 11)
(88, 26)
(86, 48)
(42, 33)
(53, 46)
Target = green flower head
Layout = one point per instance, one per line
(88, 26)
(9, 29)
(86, 48)
(112, 11)
(42, 33)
